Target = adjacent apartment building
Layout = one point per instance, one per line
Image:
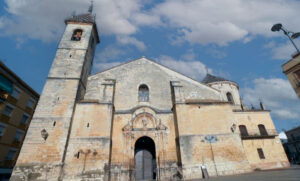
(17, 104)
(292, 71)
(292, 147)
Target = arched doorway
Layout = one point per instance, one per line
(145, 159)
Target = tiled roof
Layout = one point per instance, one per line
(82, 18)
(211, 78)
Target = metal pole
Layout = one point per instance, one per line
(293, 43)
(286, 32)
(212, 152)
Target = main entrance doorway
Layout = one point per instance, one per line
(145, 159)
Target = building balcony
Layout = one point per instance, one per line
(257, 134)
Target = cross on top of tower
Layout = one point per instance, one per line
(206, 70)
(91, 7)
(83, 18)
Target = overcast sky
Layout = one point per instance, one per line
(232, 38)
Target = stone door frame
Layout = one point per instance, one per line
(154, 130)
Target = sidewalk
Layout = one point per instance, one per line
(288, 174)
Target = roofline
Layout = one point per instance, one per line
(19, 80)
(293, 129)
(251, 110)
(225, 81)
(160, 65)
(293, 58)
(115, 66)
(206, 101)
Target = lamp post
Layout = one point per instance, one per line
(291, 35)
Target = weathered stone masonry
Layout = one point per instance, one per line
(92, 127)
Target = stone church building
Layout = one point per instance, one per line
(139, 121)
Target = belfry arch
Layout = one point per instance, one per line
(145, 159)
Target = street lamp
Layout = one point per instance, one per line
(291, 35)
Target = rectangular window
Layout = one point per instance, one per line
(2, 128)
(260, 153)
(16, 92)
(11, 154)
(8, 110)
(18, 136)
(293, 137)
(31, 103)
(24, 118)
(297, 73)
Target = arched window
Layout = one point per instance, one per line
(262, 130)
(76, 35)
(229, 97)
(243, 130)
(143, 93)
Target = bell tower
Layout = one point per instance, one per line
(43, 153)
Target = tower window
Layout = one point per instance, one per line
(229, 97)
(260, 153)
(76, 35)
(143, 93)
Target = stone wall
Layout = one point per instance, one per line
(230, 87)
(271, 145)
(44, 148)
(88, 152)
(224, 156)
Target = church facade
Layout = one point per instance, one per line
(139, 121)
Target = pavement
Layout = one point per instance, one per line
(289, 174)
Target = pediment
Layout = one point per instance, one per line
(131, 65)
(158, 78)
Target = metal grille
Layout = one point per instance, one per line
(144, 165)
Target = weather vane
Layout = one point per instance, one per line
(290, 34)
(206, 69)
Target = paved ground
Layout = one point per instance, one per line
(291, 174)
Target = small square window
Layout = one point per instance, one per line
(16, 92)
(18, 136)
(2, 129)
(11, 154)
(31, 103)
(77, 35)
(24, 119)
(260, 153)
(8, 110)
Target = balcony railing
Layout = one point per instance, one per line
(252, 134)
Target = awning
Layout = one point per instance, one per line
(6, 84)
